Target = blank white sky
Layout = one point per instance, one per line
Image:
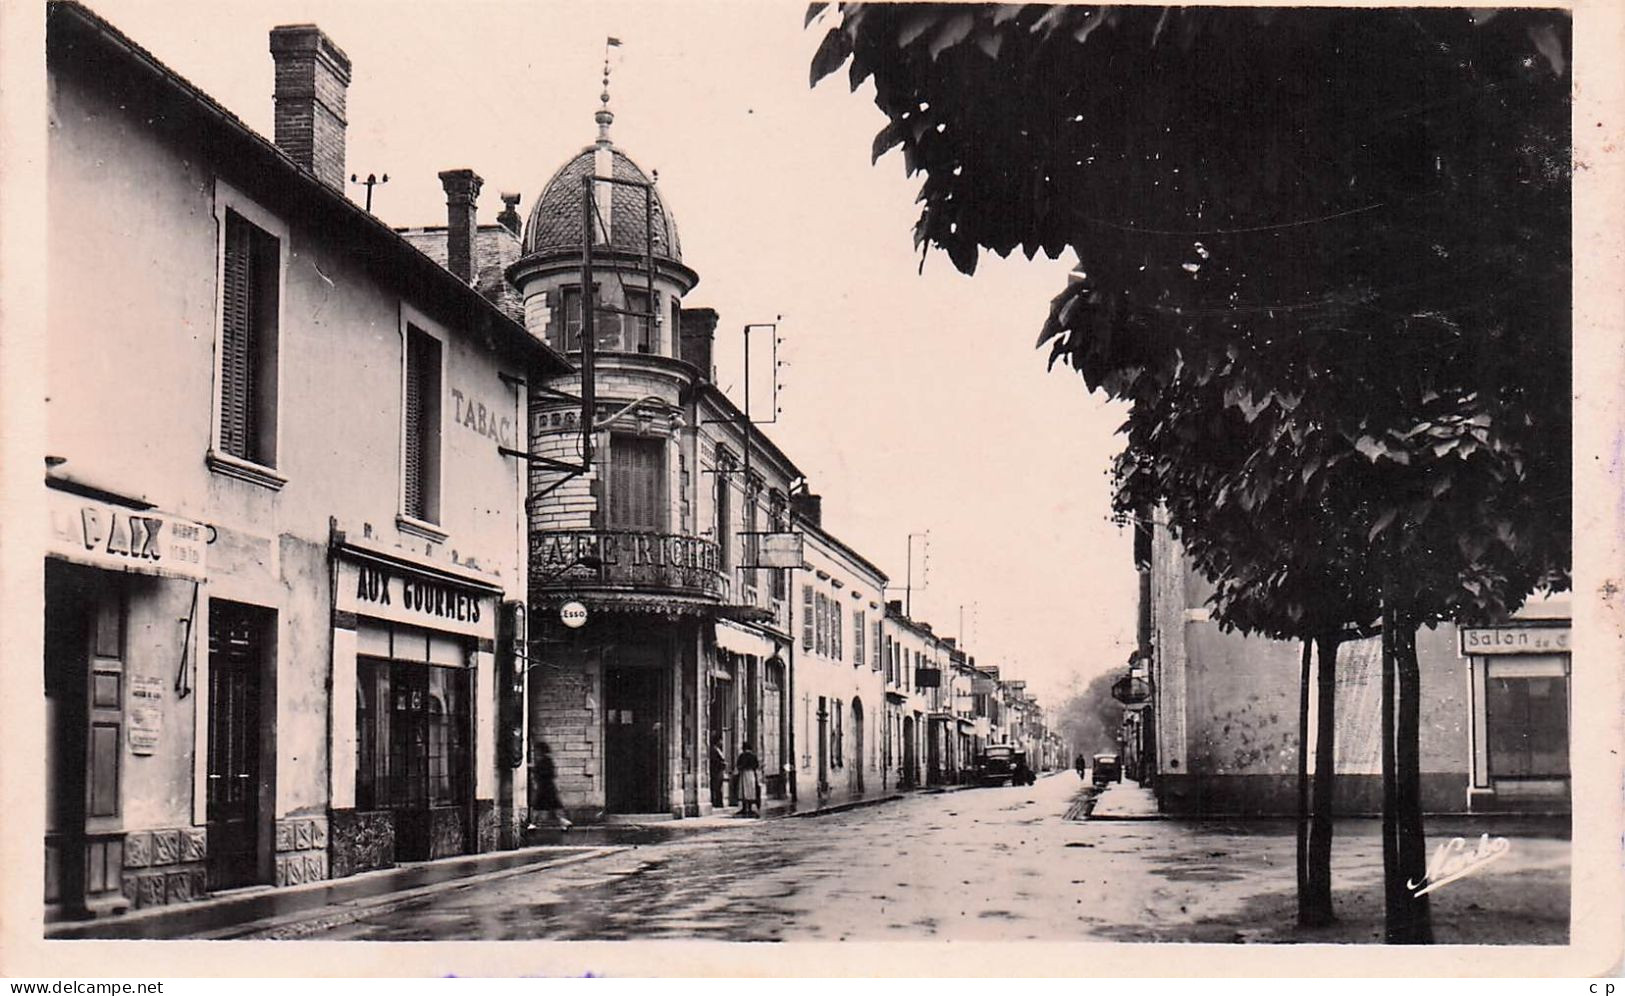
(912, 402)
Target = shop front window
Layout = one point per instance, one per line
(413, 719)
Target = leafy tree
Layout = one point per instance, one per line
(1322, 253)
(1090, 717)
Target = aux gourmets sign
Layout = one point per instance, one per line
(381, 592)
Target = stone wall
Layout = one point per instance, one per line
(165, 866)
(301, 850)
(361, 841)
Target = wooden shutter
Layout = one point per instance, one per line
(636, 469)
(412, 429)
(806, 617)
(236, 338)
(858, 626)
(835, 627)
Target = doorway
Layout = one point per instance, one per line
(908, 774)
(85, 621)
(634, 726)
(857, 745)
(241, 790)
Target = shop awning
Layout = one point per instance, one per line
(744, 641)
(635, 603)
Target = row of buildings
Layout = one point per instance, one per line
(1211, 720)
(340, 534)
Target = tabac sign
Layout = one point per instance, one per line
(116, 538)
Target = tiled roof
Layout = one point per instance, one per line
(555, 220)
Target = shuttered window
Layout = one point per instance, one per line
(637, 483)
(724, 508)
(250, 278)
(807, 617)
(835, 630)
(859, 625)
(420, 449)
(879, 662)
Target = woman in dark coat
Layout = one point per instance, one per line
(547, 790)
(750, 783)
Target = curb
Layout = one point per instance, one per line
(205, 915)
(338, 914)
(845, 806)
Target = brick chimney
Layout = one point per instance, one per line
(699, 326)
(312, 75)
(509, 218)
(809, 507)
(462, 190)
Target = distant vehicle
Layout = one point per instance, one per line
(996, 765)
(1108, 768)
(1020, 773)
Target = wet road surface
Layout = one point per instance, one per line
(983, 864)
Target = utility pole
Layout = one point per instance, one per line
(908, 586)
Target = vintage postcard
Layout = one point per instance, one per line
(557, 479)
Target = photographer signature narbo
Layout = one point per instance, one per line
(1452, 860)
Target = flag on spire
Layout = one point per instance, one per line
(615, 42)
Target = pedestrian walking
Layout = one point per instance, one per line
(719, 771)
(547, 790)
(748, 767)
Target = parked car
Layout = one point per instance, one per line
(996, 765)
(1021, 773)
(1108, 768)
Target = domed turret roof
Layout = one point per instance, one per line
(555, 220)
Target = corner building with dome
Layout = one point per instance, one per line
(682, 659)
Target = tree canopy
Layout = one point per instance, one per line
(1323, 253)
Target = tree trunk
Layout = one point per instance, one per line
(1416, 924)
(1393, 880)
(1304, 915)
(1320, 827)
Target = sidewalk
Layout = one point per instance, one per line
(227, 914)
(260, 904)
(1125, 800)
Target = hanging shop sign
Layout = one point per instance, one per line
(112, 537)
(1515, 640)
(573, 614)
(381, 591)
(773, 550)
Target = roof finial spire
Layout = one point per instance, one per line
(606, 117)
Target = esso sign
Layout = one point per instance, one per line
(573, 614)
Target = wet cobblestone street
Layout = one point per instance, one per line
(982, 864)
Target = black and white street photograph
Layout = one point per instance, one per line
(906, 474)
